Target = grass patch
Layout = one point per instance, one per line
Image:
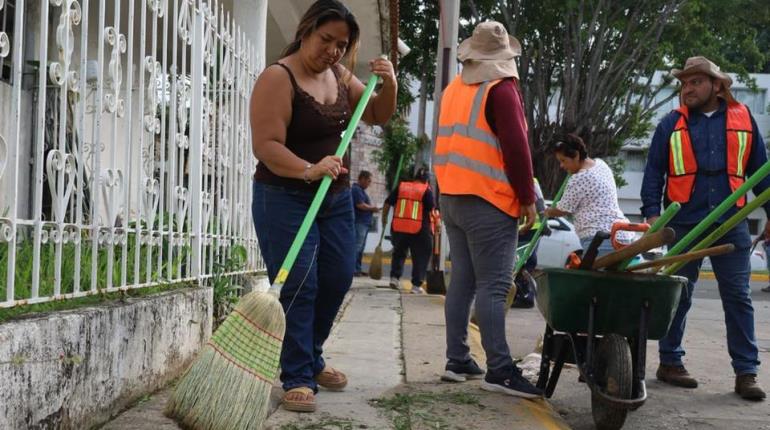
(81, 302)
(24, 272)
(424, 410)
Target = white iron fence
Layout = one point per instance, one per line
(125, 154)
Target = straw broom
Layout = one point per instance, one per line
(228, 385)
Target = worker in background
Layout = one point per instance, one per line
(411, 228)
(363, 215)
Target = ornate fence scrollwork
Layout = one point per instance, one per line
(59, 71)
(5, 43)
(113, 102)
(155, 71)
(61, 166)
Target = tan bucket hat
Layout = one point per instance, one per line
(704, 65)
(489, 54)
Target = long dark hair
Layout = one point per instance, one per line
(570, 146)
(320, 13)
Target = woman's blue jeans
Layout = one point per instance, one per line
(320, 278)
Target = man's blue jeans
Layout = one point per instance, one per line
(732, 272)
(361, 231)
(320, 278)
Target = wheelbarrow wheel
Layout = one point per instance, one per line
(613, 375)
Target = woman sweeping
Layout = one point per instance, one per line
(591, 196)
(299, 108)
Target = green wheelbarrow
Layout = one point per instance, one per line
(601, 322)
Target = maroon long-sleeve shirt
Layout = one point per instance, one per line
(505, 114)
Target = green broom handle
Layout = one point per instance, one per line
(724, 228)
(326, 182)
(720, 210)
(659, 223)
(531, 245)
(398, 172)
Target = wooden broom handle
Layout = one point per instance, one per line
(708, 252)
(646, 243)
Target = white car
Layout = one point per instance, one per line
(554, 250)
(757, 262)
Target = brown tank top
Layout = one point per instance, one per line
(315, 131)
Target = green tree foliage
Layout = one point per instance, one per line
(418, 28)
(734, 34)
(587, 65)
(398, 141)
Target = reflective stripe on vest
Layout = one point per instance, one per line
(676, 150)
(469, 164)
(683, 165)
(468, 159)
(470, 130)
(408, 217)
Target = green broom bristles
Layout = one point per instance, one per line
(228, 385)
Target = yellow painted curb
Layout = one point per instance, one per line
(758, 277)
(386, 260)
(540, 410)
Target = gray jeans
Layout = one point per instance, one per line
(482, 243)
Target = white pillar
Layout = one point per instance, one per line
(251, 16)
(446, 63)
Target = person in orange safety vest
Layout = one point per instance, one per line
(484, 173)
(700, 154)
(411, 228)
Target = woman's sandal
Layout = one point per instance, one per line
(332, 379)
(299, 399)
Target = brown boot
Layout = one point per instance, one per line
(676, 375)
(747, 387)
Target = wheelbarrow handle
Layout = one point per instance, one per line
(686, 257)
(589, 256)
(626, 226)
(654, 240)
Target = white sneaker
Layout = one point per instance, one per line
(418, 290)
(394, 284)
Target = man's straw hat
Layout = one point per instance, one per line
(704, 65)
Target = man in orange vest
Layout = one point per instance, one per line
(700, 154)
(412, 203)
(484, 172)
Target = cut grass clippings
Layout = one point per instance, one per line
(326, 424)
(424, 410)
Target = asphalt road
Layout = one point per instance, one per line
(707, 289)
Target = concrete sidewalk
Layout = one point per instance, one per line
(391, 346)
